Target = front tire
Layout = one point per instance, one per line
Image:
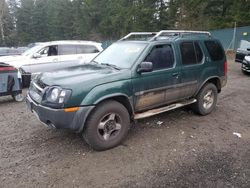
(107, 126)
(206, 99)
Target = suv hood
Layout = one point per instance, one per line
(88, 75)
(15, 61)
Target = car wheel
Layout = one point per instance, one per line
(107, 125)
(206, 100)
(18, 97)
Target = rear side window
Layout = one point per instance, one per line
(161, 56)
(191, 53)
(67, 49)
(86, 49)
(215, 50)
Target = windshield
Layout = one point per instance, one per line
(121, 54)
(33, 50)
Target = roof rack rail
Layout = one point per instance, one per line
(152, 34)
(166, 33)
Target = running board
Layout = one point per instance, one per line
(163, 109)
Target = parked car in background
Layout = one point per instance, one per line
(5, 51)
(242, 51)
(132, 79)
(48, 56)
(31, 45)
(10, 83)
(246, 65)
(22, 49)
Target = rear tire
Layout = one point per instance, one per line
(206, 99)
(107, 126)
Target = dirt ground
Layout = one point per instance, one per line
(174, 149)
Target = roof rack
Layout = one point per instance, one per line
(166, 33)
(150, 34)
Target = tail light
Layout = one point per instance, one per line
(225, 68)
(7, 68)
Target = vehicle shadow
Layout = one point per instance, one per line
(68, 142)
(6, 99)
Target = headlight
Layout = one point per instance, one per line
(56, 96)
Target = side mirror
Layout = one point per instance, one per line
(36, 55)
(145, 67)
(248, 49)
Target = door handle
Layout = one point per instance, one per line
(175, 75)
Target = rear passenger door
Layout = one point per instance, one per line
(192, 63)
(67, 55)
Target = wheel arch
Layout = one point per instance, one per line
(121, 98)
(214, 80)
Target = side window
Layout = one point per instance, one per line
(49, 51)
(191, 53)
(44, 52)
(86, 49)
(215, 50)
(67, 49)
(161, 56)
(188, 53)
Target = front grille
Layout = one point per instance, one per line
(36, 92)
(41, 84)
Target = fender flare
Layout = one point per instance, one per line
(203, 83)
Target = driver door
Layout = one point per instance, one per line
(47, 58)
(156, 88)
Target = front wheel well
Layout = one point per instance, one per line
(123, 100)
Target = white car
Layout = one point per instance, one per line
(56, 51)
(50, 56)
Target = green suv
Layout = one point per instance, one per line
(141, 75)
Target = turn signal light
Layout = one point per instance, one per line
(74, 109)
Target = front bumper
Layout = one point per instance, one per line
(58, 118)
(245, 66)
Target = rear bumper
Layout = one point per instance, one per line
(58, 118)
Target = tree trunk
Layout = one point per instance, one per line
(2, 6)
(1, 30)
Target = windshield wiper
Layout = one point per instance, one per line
(111, 65)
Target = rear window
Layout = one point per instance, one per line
(215, 50)
(86, 49)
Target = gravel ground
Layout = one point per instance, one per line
(174, 149)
